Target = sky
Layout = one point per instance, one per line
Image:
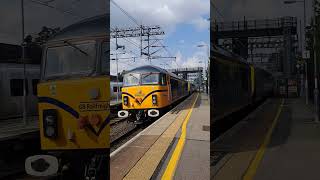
(37, 16)
(185, 23)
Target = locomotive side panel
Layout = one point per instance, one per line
(231, 87)
(80, 109)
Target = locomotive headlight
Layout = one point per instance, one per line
(50, 131)
(49, 120)
(50, 123)
(125, 100)
(154, 99)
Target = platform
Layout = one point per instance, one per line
(279, 140)
(176, 145)
(15, 128)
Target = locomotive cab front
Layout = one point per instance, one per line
(74, 95)
(144, 93)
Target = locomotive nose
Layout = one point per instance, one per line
(139, 100)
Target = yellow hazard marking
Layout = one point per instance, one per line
(147, 164)
(172, 165)
(251, 171)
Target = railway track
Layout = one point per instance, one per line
(122, 131)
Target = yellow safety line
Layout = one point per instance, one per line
(251, 171)
(172, 165)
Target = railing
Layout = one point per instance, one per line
(186, 69)
(257, 24)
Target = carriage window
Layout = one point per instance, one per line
(105, 63)
(174, 88)
(150, 78)
(34, 86)
(16, 87)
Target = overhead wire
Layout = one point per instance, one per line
(57, 9)
(125, 12)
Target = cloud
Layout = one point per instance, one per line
(166, 13)
(169, 15)
(197, 59)
(201, 23)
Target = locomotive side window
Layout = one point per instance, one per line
(16, 87)
(34, 86)
(163, 79)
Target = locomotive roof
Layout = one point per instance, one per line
(150, 68)
(94, 26)
(218, 51)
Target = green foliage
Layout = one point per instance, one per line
(42, 37)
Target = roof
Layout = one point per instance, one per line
(220, 52)
(150, 68)
(93, 26)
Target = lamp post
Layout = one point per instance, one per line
(316, 90)
(24, 113)
(205, 65)
(201, 80)
(116, 59)
(304, 44)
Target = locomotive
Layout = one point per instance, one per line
(148, 90)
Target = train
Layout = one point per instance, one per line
(236, 84)
(11, 89)
(115, 92)
(73, 103)
(148, 90)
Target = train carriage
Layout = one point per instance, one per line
(74, 97)
(236, 84)
(147, 90)
(11, 89)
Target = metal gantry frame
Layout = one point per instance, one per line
(250, 39)
(148, 35)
